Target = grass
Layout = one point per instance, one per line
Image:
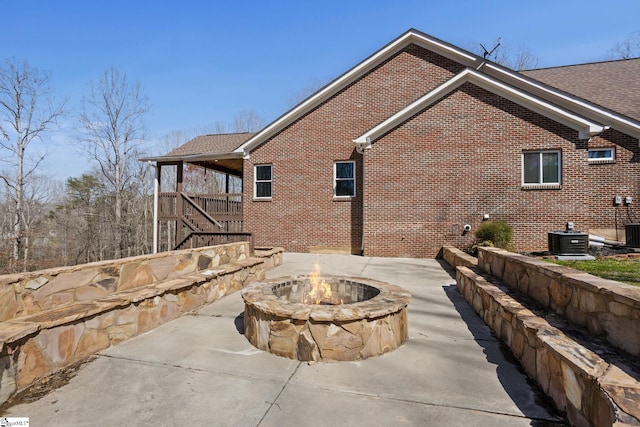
(625, 270)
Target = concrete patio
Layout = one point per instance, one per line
(199, 370)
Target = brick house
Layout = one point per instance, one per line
(397, 155)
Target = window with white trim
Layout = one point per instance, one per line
(262, 181)
(541, 167)
(344, 179)
(602, 155)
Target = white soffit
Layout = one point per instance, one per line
(410, 37)
(585, 127)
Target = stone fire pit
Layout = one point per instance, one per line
(361, 319)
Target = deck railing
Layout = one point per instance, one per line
(198, 239)
(216, 205)
(203, 219)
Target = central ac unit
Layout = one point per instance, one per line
(568, 243)
(632, 233)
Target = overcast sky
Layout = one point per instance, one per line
(202, 62)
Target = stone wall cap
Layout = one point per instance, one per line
(620, 292)
(11, 331)
(573, 353)
(62, 315)
(392, 298)
(623, 389)
(54, 271)
(267, 252)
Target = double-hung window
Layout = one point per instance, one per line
(344, 179)
(262, 181)
(541, 168)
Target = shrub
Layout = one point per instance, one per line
(494, 233)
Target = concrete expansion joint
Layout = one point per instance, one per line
(333, 390)
(172, 365)
(455, 339)
(365, 266)
(275, 401)
(151, 363)
(196, 314)
(483, 411)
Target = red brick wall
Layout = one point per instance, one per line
(445, 167)
(614, 179)
(458, 160)
(302, 214)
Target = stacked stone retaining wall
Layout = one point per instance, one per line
(57, 317)
(587, 383)
(606, 308)
(28, 293)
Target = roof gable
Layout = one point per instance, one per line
(410, 37)
(525, 89)
(586, 128)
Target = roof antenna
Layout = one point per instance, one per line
(490, 52)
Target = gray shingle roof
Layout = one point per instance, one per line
(211, 144)
(614, 85)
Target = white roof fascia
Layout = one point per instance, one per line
(616, 121)
(193, 157)
(586, 128)
(411, 36)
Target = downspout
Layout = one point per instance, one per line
(363, 214)
(361, 147)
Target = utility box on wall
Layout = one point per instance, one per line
(632, 235)
(568, 243)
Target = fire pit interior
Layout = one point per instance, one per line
(330, 318)
(335, 291)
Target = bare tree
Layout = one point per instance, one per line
(519, 59)
(112, 120)
(220, 127)
(82, 195)
(171, 141)
(247, 121)
(296, 98)
(243, 121)
(27, 112)
(39, 194)
(626, 49)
